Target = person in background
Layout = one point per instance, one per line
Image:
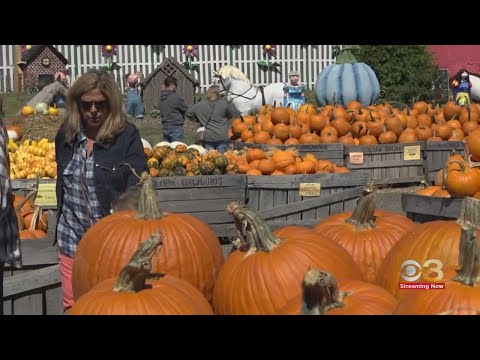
(172, 108)
(10, 251)
(461, 88)
(214, 114)
(294, 93)
(133, 101)
(95, 149)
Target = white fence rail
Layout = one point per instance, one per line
(309, 60)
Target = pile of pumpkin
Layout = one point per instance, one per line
(40, 108)
(31, 158)
(31, 219)
(252, 161)
(356, 125)
(182, 161)
(359, 257)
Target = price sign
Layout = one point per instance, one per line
(46, 195)
(356, 158)
(310, 189)
(411, 152)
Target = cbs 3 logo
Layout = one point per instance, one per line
(430, 267)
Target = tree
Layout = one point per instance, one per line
(406, 73)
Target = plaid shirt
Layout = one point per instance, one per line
(10, 251)
(80, 208)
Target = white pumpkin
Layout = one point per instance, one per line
(162, 143)
(146, 144)
(41, 108)
(174, 144)
(200, 149)
(12, 134)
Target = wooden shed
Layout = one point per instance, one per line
(153, 83)
(39, 65)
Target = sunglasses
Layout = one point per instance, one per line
(87, 105)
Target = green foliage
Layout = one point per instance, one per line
(311, 98)
(406, 73)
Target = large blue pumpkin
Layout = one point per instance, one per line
(347, 80)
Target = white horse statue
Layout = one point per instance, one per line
(246, 97)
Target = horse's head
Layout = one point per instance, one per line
(222, 83)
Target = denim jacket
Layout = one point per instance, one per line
(112, 176)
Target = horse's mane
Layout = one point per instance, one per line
(229, 71)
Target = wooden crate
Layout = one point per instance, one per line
(332, 152)
(278, 200)
(422, 209)
(387, 163)
(205, 197)
(437, 153)
(36, 288)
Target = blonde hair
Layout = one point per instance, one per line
(213, 93)
(115, 120)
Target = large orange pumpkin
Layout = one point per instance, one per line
(267, 269)
(130, 295)
(191, 250)
(322, 296)
(433, 240)
(462, 288)
(366, 234)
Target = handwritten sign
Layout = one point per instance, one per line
(411, 152)
(310, 189)
(356, 158)
(46, 195)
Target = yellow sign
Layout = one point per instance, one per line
(356, 158)
(411, 152)
(310, 189)
(46, 195)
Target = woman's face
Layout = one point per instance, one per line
(93, 108)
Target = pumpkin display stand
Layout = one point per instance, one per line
(36, 288)
(422, 209)
(388, 163)
(437, 153)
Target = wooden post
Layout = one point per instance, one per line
(17, 72)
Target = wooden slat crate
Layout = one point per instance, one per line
(36, 288)
(277, 198)
(422, 209)
(387, 163)
(205, 197)
(332, 152)
(437, 153)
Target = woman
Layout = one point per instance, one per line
(9, 239)
(95, 148)
(294, 93)
(213, 114)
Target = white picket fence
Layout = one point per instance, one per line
(309, 60)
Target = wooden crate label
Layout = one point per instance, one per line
(371, 149)
(46, 195)
(356, 158)
(309, 189)
(411, 152)
(186, 182)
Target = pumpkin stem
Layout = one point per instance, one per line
(363, 216)
(320, 293)
(148, 205)
(253, 232)
(133, 276)
(469, 256)
(346, 56)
